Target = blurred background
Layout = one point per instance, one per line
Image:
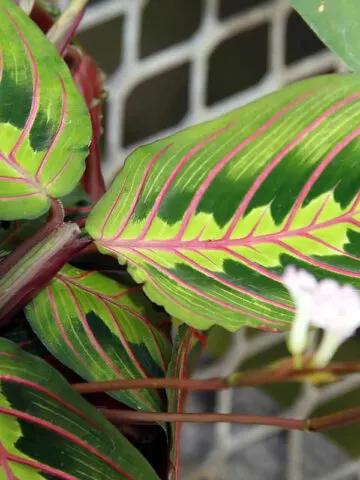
(174, 63)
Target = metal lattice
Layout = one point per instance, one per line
(131, 71)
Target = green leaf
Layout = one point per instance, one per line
(188, 347)
(337, 23)
(47, 430)
(103, 331)
(208, 218)
(45, 127)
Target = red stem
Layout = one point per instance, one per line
(56, 217)
(317, 424)
(130, 416)
(252, 378)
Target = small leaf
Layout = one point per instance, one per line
(103, 331)
(337, 23)
(208, 219)
(45, 127)
(47, 430)
(188, 347)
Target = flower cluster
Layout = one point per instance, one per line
(323, 304)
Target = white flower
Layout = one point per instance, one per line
(335, 309)
(325, 304)
(301, 286)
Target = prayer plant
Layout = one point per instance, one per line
(107, 295)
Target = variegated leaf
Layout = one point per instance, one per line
(48, 431)
(103, 331)
(45, 127)
(186, 352)
(207, 219)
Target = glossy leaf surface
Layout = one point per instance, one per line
(207, 219)
(103, 331)
(187, 349)
(48, 431)
(337, 23)
(45, 127)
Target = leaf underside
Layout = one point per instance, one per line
(103, 331)
(337, 23)
(48, 431)
(45, 127)
(209, 218)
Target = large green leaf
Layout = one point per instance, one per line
(337, 23)
(186, 352)
(207, 219)
(48, 431)
(45, 127)
(103, 331)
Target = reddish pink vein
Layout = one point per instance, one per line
(126, 292)
(15, 180)
(248, 241)
(231, 285)
(162, 291)
(173, 175)
(140, 190)
(196, 290)
(331, 247)
(316, 174)
(4, 461)
(322, 207)
(58, 133)
(82, 275)
(104, 302)
(112, 300)
(61, 171)
(40, 466)
(16, 166)
(64, 433)
(62, 329)
(11, 355)
(49, 393)
(355, 204)
(35, 94)
(224, 161)
(93, 340)
(265, 173)
(112, 208)
(253, 265)
(20, 197)
(317, 263)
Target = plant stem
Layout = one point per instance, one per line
(43, 255)
(252, 378)
(317, 424)
(56, 217)
(130, 416)
(339, 419)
